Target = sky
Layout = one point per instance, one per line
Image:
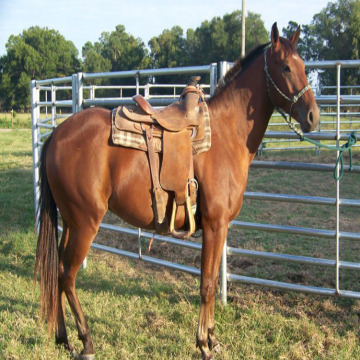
(84, 20)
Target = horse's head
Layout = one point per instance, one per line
(287, 83)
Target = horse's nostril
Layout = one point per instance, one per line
(311, 117)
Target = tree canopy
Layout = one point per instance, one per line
(36, 53)
(333, 34)
(41, 53)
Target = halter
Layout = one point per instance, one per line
(292, 100)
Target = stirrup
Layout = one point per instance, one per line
(182, 234)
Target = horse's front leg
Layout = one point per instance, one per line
(214, 236)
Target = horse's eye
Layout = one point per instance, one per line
(287, 68)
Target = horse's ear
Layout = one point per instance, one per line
(275, 39)
(295, 37)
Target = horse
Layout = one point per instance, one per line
(82, 174)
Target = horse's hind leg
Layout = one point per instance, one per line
(61, 337)
(75, 250)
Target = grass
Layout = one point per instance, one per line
(138, 311)
(20, 121)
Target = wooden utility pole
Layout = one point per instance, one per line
(243, 29)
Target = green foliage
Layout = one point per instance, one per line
(333, 34)
(93, 60)
(220, 38)
(124, 51)
(21, 121)
(167, 48)
(213, 41)
(115, 51)
(337, 30)
(39, 53)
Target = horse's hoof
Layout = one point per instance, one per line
(207, 357)
(73, 354)
(86, 357)
(216, 348)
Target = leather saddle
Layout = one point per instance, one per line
(172, 131)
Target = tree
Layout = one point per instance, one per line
(93, 61)
(207, 43)
(220, 38)
(256, 33)
(166, 50)
(115, 51)
(333, 34)
(124, 51)
(39, 53)
(337, 30)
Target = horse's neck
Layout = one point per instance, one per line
(241, 112)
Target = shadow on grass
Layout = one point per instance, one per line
(142, 286)
(20, 154)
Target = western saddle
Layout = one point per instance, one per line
(177, 131)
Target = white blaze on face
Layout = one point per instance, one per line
(297, 58)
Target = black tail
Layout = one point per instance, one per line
(47, 258)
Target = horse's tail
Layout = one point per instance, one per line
(47, 258)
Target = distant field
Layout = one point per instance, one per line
(21, 121)
(139, 311)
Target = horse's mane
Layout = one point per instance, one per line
(239, 66)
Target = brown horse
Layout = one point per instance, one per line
(83, 175)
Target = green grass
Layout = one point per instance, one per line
(20, 121)
(138, 311)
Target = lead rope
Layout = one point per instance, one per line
(346, 147)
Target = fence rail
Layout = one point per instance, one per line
(42, 127)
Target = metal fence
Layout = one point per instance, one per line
(46, 113)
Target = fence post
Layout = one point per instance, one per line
(53, 107)
(80, 92)
(137, 84)
(338, 67)
(147, 91)
(35, 113)
(223, 275)
(223, 265)
(74, 93)
(92, 92)
(213, 77)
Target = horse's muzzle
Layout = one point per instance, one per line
(312, 119)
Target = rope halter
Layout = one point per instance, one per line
(292, 100)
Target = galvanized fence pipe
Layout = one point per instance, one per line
(337, 230)
(35, 115)
(139, 256)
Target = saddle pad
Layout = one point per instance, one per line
(204, 144)
(127, 134)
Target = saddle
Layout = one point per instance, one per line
(178, 131)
